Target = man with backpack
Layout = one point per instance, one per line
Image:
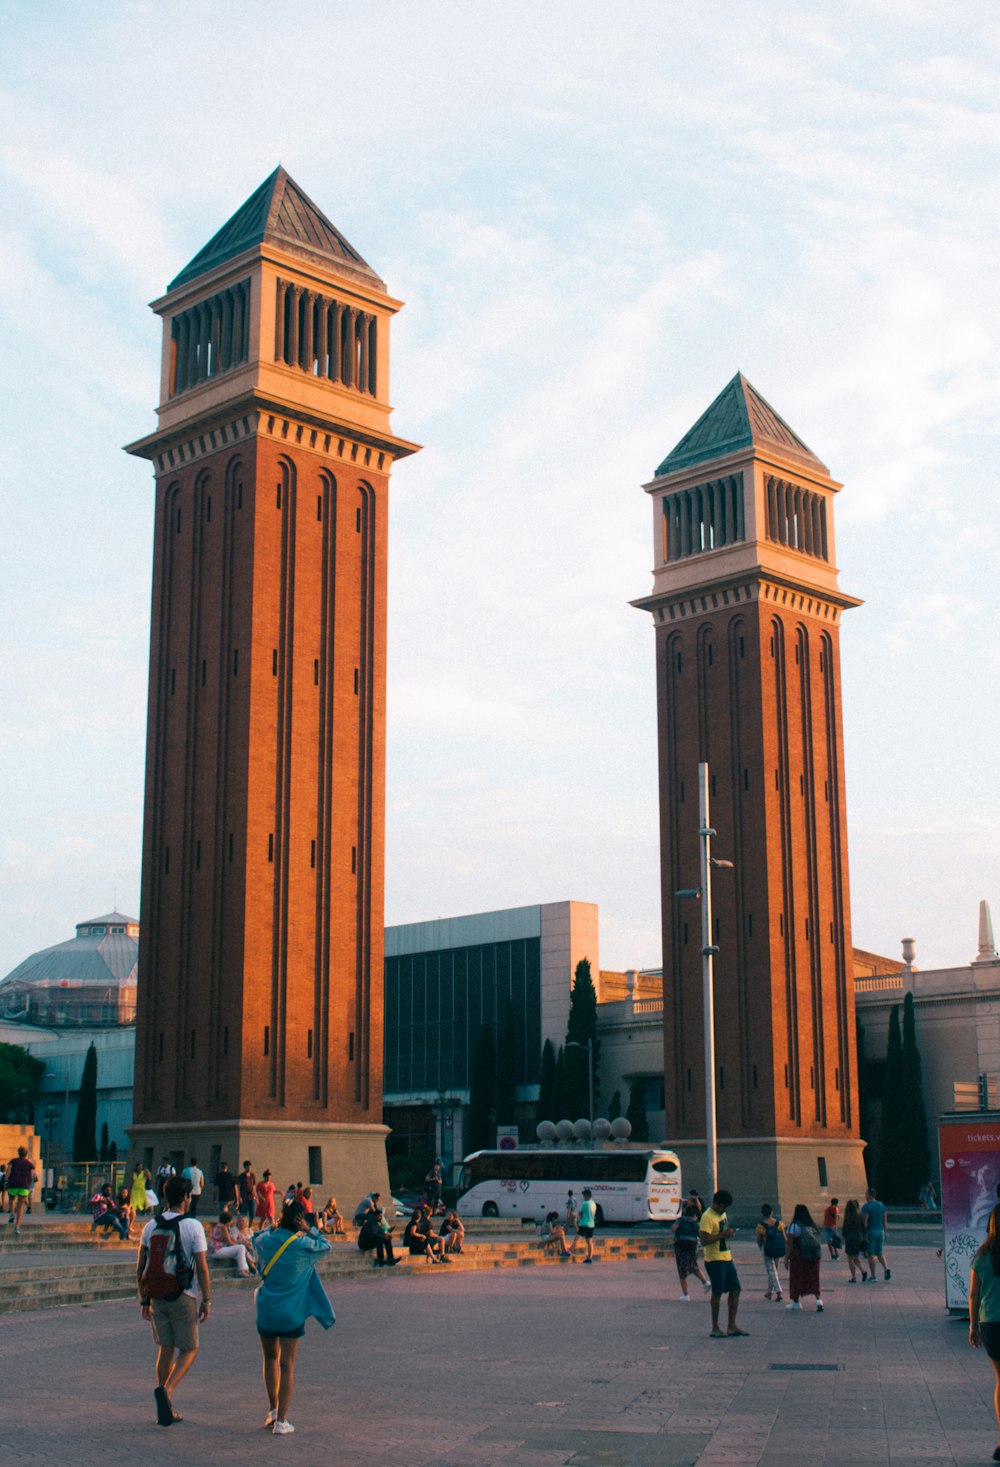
(172, 1255)
(771, 1242)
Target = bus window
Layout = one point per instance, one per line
(664, 1166)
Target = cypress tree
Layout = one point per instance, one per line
(482, 1093)
(890, 1125)
(85, 1129)
(615, 1106)
(914, 1152)
(21, 1076)
(547, 1085)
(636, 1113)
(102, 1152)
(582, 1030)
(506, 1093)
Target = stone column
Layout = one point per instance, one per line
(292, 344)
(363, 354)
(349, 338)
(180, 359)
(334, 328)
(308, 303)
(372, 380)
(279, 322)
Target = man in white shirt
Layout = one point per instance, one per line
(196, 1177)
(175, 1321)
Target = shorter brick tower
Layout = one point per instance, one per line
(746, 609)
(259, 1025)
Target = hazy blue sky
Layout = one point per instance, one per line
(596, 214)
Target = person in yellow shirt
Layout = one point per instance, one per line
(715, 1234)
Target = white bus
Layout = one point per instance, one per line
(629, 1184)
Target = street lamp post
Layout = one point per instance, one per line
(589, 1047)
(708, 864)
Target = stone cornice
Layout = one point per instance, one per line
(257, 416)
(783, 593)
(348, 1128)
(891, 998)
(768, 456)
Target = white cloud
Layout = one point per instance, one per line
(595, 225)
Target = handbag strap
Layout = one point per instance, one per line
(275, 1256)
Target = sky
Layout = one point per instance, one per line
(596, 215)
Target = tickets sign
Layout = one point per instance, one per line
(970, 1172)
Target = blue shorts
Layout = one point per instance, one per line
(723, 1276)
(876, 1245)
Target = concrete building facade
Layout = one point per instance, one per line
(259, 1026)
(443, 980)
(746, 609)
(957, 1020)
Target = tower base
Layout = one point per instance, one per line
(781, 1170)
(338, 1160)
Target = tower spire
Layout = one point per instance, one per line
(987, 947)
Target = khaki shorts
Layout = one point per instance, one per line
(175, 1323)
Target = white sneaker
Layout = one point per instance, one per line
(794, 1305)
(684, 1299)
(819, 1306)
(282, 1428)
(707, 1286)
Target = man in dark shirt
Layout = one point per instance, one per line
(21, 1177)
(225, 1186)
(247, 1187)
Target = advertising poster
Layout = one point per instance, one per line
(970, 1171)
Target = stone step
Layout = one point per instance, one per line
(37, 1286)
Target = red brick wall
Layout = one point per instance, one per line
(266, 735)
(755, 691)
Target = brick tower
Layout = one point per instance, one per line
(259, 1027)
(747, 612)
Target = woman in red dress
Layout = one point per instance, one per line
(805, 1249)
(264, 1210)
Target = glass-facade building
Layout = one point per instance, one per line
(444, 980)
(437, 1002)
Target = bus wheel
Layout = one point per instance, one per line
(599, 1216)
(490, 1209)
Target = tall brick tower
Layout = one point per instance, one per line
(259, 1028)
(747, 612)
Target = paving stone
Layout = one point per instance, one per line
(520, 1368)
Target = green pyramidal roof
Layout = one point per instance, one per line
(278, 211)
(738, 418)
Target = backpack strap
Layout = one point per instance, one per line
(274, 1258)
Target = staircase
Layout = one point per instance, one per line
(64, 1263)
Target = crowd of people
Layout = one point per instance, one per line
(795, 1248)
(280, 1238)
(174, 1289)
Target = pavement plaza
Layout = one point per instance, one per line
(526, 1367)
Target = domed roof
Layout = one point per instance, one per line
(90, 979)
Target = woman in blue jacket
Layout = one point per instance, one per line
(289, 1294)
